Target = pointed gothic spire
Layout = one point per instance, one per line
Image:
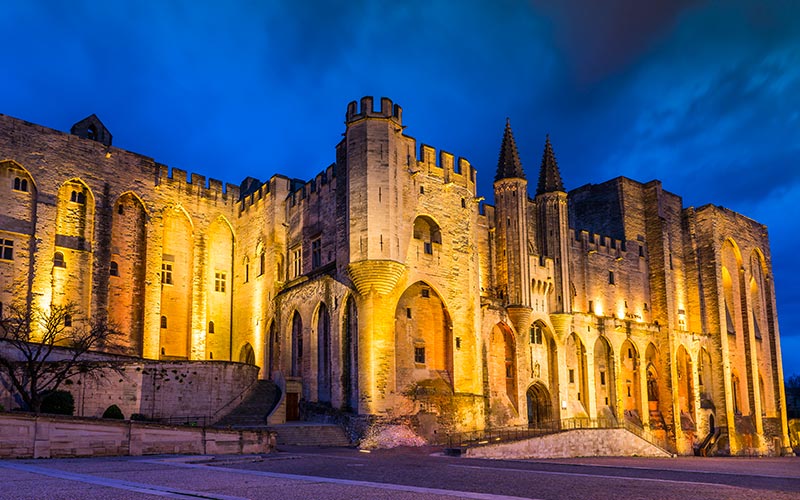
(508, 165)
(549, 176)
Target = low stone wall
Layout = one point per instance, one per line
(32, 436)
(576, 443)
(157, 389)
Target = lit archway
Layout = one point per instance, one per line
(685, 385)
(247, 355)
(604, 381)
(577, 384)
(631, 386)
(422, 337)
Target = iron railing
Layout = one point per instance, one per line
(508, 434)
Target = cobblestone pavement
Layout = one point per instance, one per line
(340, 473)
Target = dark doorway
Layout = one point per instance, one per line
(292, 406)
(539, 406)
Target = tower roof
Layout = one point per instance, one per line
(508, 165)
(549, 176)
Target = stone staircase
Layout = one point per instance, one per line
(253, 411)
(310, 434)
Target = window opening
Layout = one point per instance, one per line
(316, 253)
(220, 279)
(6, 249)
(58, 260)
(113, 269)
(166, 273)
(419, 355)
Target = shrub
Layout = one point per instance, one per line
(58, 402)
(113, 411)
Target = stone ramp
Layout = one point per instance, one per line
(253, 411)
(572, 443)
(310, 434)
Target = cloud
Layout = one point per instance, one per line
(599, 38)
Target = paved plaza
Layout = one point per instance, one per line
(343, 473)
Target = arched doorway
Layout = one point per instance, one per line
(540, 406)
(247, 355)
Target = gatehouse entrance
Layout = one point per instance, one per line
(540, 412)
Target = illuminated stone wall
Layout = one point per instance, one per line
(384, 285)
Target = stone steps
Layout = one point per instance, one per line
(311, 434)
(253, 411)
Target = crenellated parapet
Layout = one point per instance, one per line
(591, 243)
(182, 181)
(387, 110)
(446, 166)
(311, 191)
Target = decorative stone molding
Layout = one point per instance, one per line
(380, 275)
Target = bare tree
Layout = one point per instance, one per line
(40, 349)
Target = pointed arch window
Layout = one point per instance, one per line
(210, 327)
(113, 269)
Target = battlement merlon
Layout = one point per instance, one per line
(459, 172)
(206, 187)
(388, 110)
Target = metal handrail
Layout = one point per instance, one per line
(506, 434)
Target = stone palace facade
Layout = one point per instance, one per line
(384, 286)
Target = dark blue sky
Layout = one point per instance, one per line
(702, 95)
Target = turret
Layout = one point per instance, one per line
(552, 227)
(368, 160)
(511, 200)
